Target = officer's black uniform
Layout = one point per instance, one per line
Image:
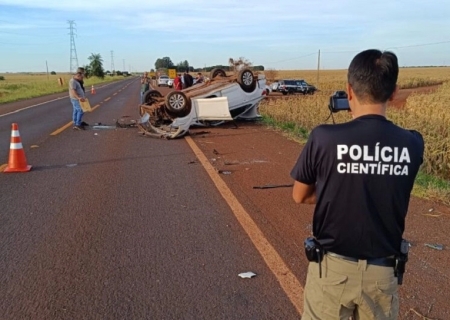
(364, 171)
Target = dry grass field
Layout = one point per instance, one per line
(426, 112)
(332, 80)
(18, 86)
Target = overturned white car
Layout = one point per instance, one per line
(221, 98)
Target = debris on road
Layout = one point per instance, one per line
(230, 163)
(215, 152)
(271, 186)
(103, 127)
(224, 172)
(192, 162)
(34, 146)
(435, 246)
(248, 275)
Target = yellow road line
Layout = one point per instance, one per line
(3, 167)
(107, 99)
(58, 131)
(284, 275)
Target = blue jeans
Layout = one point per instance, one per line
(77, 112)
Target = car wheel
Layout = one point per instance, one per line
(284, 93)
(150, 97)
(217, 72)
(246, 80)
(178, 103)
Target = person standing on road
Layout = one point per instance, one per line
(199, 78)
(188, 79)
(177, 83)
(360, 175)
(145, 85)
(76, 95)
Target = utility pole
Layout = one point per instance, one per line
(318, 68)
(73, 49)
(112, 62)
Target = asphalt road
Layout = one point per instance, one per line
(113, 225)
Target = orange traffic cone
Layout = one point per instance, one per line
(92, 90)
(17, 161)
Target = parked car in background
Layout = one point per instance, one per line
(163, 80)
(307, 88)
(287, 86)
(291, 86)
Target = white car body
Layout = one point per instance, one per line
(162, 81)
(170, 83)
(274, 86)
(241, 105)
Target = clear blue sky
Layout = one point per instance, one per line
(284, 34)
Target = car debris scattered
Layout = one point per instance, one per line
(224, 172)
(230, 163)
(248, 275)
(272, 186)
(435, 246)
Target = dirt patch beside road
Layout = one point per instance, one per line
(253, 155)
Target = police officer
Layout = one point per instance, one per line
(360, 175)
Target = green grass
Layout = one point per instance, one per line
(426, 186)
(17, 87)
(294, 130)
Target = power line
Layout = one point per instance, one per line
(303, 56)
(73, 49)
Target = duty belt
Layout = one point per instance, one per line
(383, 262)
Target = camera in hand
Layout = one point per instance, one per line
(339, 102)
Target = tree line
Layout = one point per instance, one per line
(233, 65)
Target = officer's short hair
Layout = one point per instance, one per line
(373, 75)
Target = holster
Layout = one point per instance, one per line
(400, 261)
(313, 250)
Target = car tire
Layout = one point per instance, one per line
(246, 80)
(217, 72)
(150, 95)
(284, 93)
(178, 103)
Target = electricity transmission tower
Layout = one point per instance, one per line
(73, 49)
(112, 62)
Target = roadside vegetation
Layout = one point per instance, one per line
(425, 112)
(19, 86)
(332, 80)
(25, 86)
